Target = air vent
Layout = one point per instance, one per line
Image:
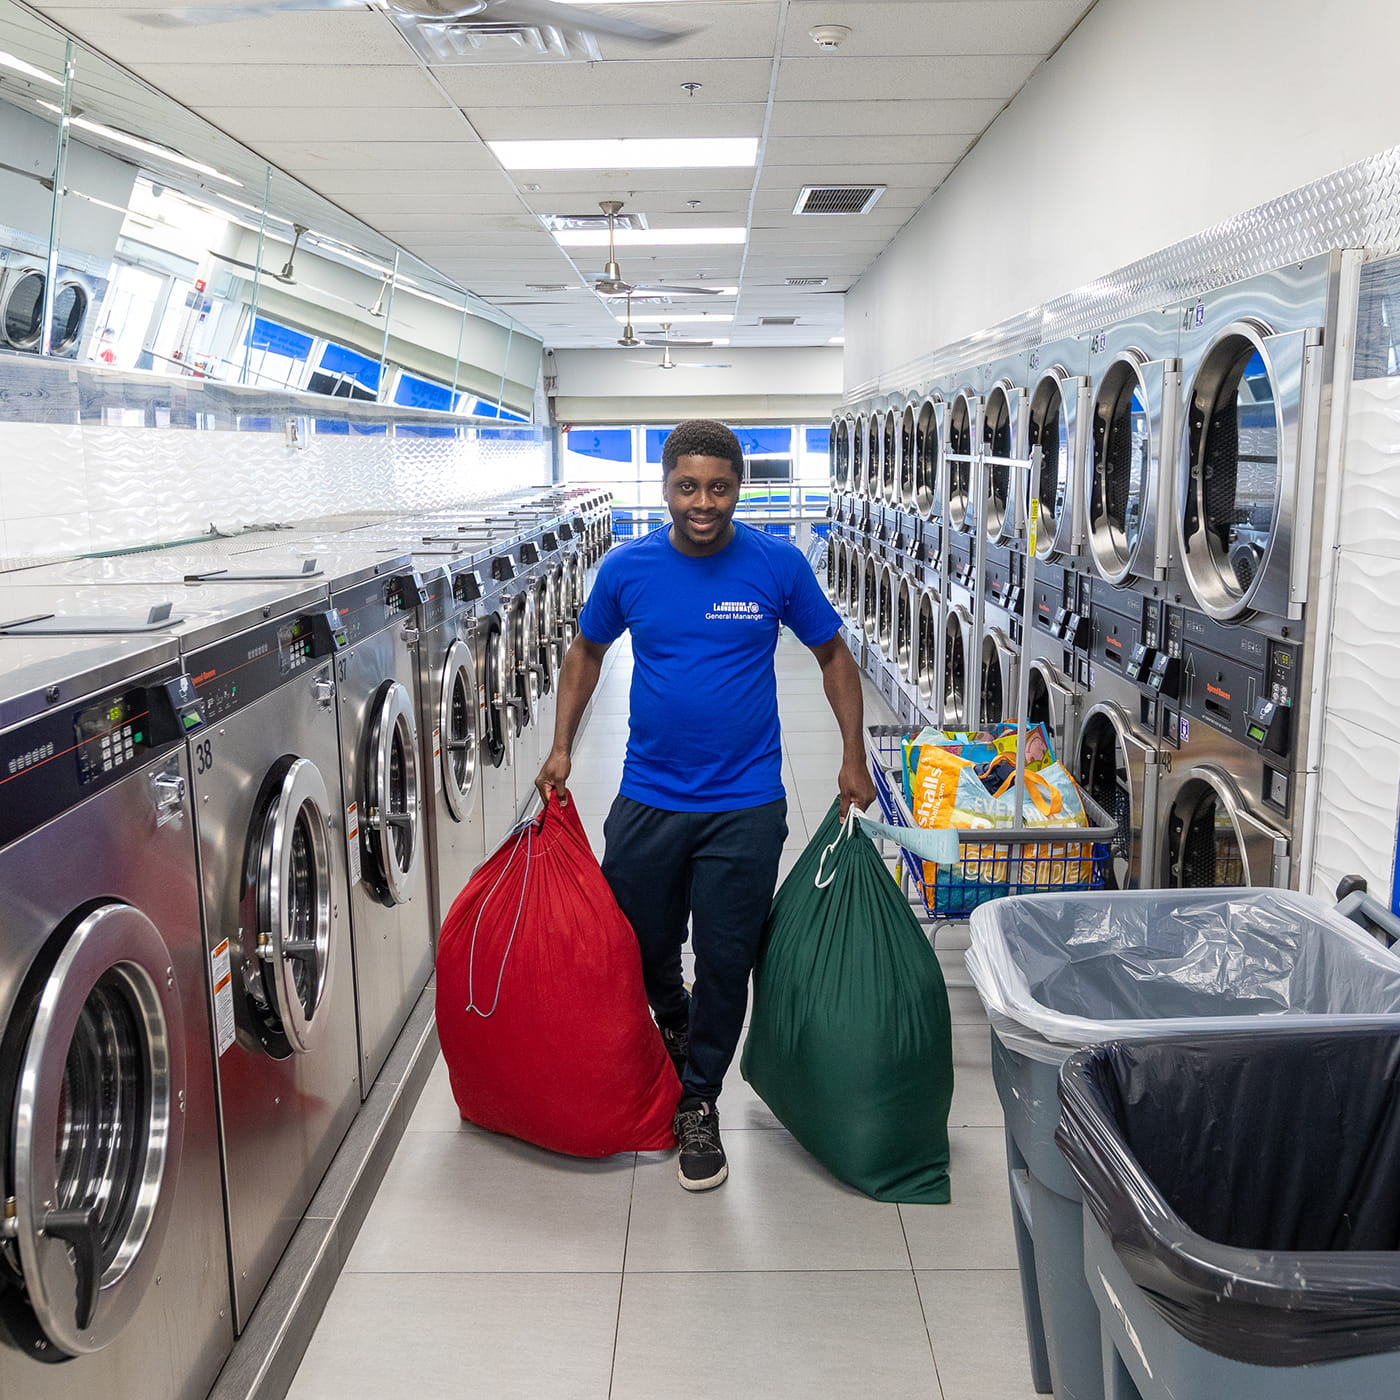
(777, 320)
(837, 199)
(805, 281)
(449, 43)
(560, 223)
(550, 286)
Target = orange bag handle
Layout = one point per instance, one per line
(1044, 794)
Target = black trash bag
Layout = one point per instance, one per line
(1249, 1184)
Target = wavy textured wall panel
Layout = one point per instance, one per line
(1360, 786)
(1363, 680)
(1371, 489)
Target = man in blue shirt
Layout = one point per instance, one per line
(697, 830)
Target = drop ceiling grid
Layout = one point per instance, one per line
(340, 101)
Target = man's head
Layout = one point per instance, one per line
(702, 468)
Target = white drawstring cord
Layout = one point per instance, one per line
(525, 830)
(847, 827)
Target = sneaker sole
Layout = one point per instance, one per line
(708, 1184)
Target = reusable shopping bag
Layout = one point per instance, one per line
(540, 1006)
(850, 1042)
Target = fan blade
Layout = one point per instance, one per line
(660, 343)
(661, 290)
(579, 17)
(221, 14)
(685, 364)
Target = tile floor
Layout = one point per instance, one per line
(490, 1268)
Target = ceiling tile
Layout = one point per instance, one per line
(929, 76)
(313, 85)
(608, 84)
(737, 30)
(880, 118)
(856, 150)
(305, 157)
(262, 124)
(941, 27)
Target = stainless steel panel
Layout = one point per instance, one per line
(391, 931)
(281, 1118)
(85, 854)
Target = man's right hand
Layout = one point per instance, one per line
(554, 777)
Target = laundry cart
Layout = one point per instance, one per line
(992, 863)
(1059, 972)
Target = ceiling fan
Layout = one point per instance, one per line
(629, 337)
(495, 12)
(666, 361)
(288, 272)
(611, 283)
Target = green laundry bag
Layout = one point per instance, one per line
(850, 1037)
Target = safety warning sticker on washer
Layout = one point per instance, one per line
(222, 980)
(437, 758)
(352, 841)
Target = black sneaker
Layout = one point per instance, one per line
(677, 1043)
(702, 1165)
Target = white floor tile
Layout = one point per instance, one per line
(811, 1336)
(455, 1200)
(973, 1231)
(780, 1209)
(978, 1333)
(464, 1336)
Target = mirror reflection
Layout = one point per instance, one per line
(135, 235)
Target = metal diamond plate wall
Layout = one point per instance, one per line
(1355, 207)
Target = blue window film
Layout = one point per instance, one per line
(278, 339)
(818, 440)
(336, 427)
(425, 430)
(656, 439)
(483, 408)
(340, 359)
(762, 441)
(413, 392)
(607, 444)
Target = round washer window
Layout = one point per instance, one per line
(1203, 846)
(23, 315)
(1049, 431)
(1121, 464)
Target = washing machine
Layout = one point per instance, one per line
(264, 770)
(1256, 357)
(113, 1260)
(1134, 421)
(1232, 743)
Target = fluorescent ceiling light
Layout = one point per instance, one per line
(8, 60)
(629, 153)
(837, 340)
(151, 148)
(673, 320)
(650, 237)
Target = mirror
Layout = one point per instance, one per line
(137, 236)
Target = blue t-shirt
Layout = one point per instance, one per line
(704, 706)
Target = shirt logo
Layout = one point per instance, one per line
(734, 612)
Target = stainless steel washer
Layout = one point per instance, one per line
(113, 1262)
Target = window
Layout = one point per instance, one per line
(345, 374)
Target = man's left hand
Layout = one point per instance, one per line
(856, 786)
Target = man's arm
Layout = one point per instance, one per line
(841, 682)
(578, 678)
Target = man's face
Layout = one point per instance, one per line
(701, 493)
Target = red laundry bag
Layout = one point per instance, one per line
(540, 1006)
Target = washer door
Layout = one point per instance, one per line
(1118, 769)
(457, 723)
(1055, 426)
(293, 905)
(70, 308)
(859, 447)
(1239, 472)
(869, 595)
(95, 1130)
(884, 612)
(541, 649)
(889, 459)
(906, 494)
(393, 817)
(22, 311)
(493, 714)
(1050, 701)
(1212, 839)
(870, 478)
(955, 634)
(962, 427)
(523, 678)
(927, 435)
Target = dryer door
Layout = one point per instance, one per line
(22, 309)
(542, 648)
(393, 816)
(457, 723)
(1050, 700)
(884, 612)
(96, 1131)
(961, 424)
(904, 639)
(889, 459)
(926, 648)
(998, 678)
(493, 713)
(1212, 839)
(1118, 768)
(1002, 434)
(927, 438)
(869, 598)
(955, 634)
(293, 905)
(1056, 423)
(524, 658)
(1249, 446)
(907, 494)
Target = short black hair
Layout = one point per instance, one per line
(701, 437)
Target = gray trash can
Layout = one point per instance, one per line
(1275, 1273)
(1057, 972)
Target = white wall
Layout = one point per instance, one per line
(626, 386)
(1153, 121)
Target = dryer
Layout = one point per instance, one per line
(1003, 439)
(113, 1250)
(962, 432)
(1057, 421)
(958, 666)
(23, 281)
(889, 457)
(1134, 418)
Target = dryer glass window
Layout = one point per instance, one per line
(1232, 494)
(907, 456)
(23, 314)
(1122, 459)
(996, 442)
(954, 675)
(993, 692)
(926, 460)
(304, 910)
(1103, 774)
(1049, 431)
(1203, 846)
(70, 306)
(959, 472)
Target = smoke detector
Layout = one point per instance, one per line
(829, 36)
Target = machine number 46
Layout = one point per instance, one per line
(203, 756)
